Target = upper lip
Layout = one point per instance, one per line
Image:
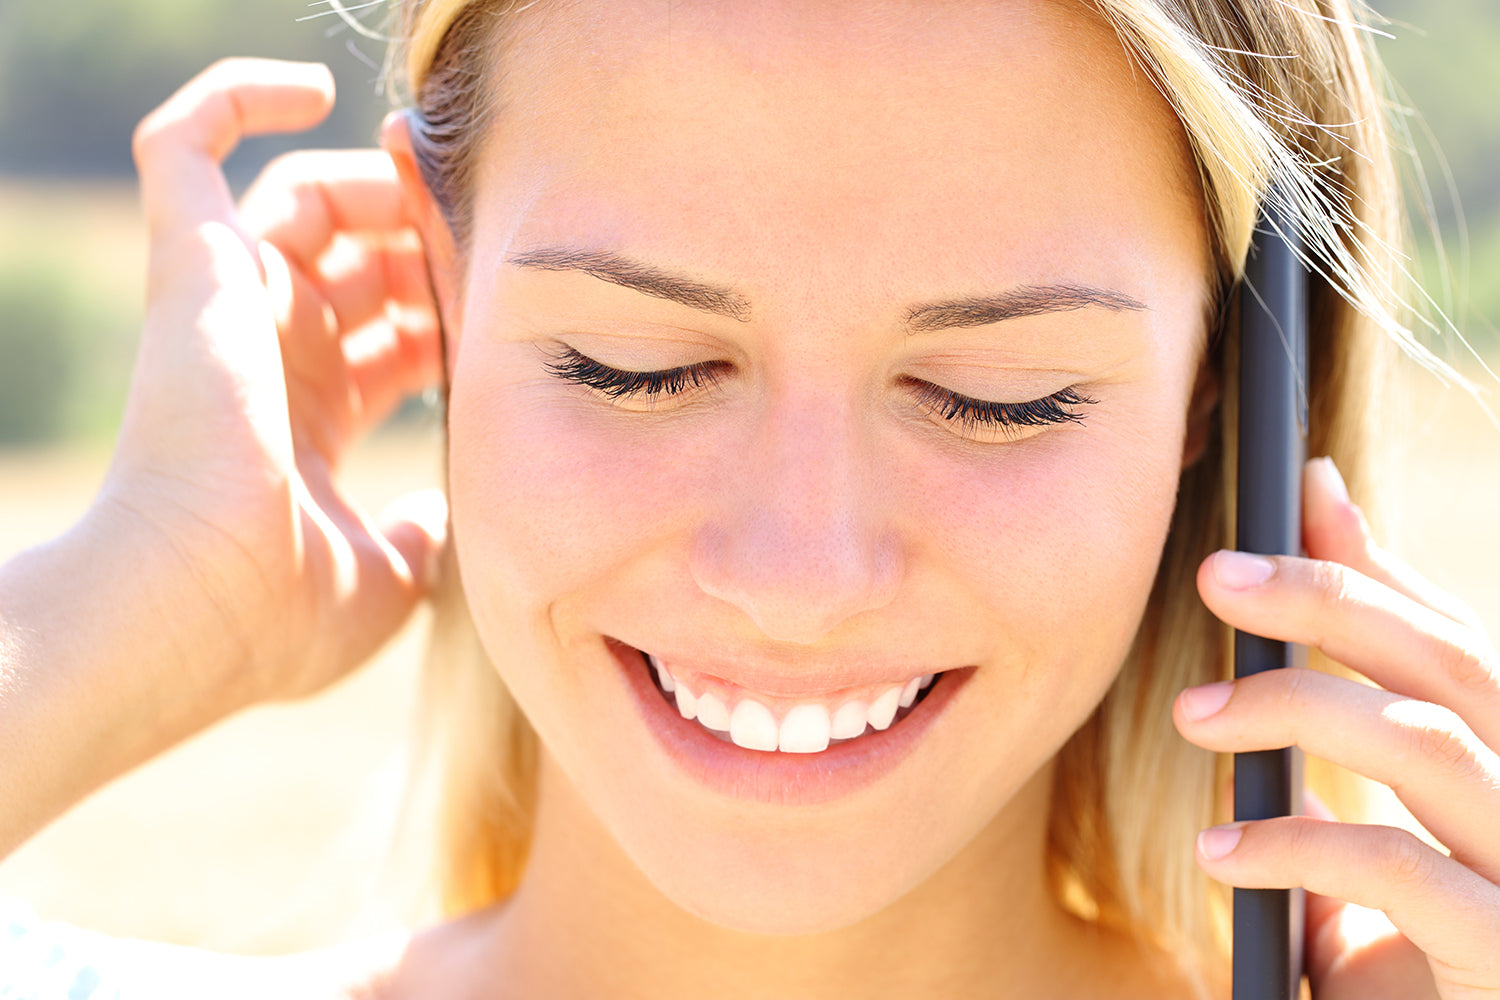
(796, 675)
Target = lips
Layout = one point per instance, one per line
(787, 778)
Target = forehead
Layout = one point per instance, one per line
(972, 134)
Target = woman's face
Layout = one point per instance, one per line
(930, 279)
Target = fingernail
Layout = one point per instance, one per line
(1241, 570)
(1200, 702)
(1333, 480)
(1217, 841)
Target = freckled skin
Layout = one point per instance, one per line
(835, 164)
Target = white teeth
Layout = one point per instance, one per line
(753, 727)
(883, 710)
(663, 675)
(713, 713)
(805, 729)
(849, 721)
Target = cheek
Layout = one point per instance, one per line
(551, 492)
(1057, 540)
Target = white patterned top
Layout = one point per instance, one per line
(45, 961)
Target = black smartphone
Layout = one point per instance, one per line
(1273, 415)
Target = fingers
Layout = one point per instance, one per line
(338, 216)
(416, 526)
(178, 147)
(1440, 770)
(319, 394)
(302, 200)
(1397, 642)
(341, 383)
(1447, 910)
(1335, 530)
(338, 219)
(390, 361)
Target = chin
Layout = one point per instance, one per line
(776, 898)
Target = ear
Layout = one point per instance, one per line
(1201, 408)
(432, 226)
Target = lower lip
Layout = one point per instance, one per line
(782, 778)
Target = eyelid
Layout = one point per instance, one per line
(574, 366)
(974, 416)
(1010, 419)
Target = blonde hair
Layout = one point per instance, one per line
(1274, 95)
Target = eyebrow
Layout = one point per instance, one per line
(1027, 300)
(614, 268)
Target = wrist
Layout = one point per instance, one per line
(107, 662)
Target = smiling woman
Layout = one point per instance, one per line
(837, 454)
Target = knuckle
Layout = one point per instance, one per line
(1466, 663)
(1405, 861)
(1442, 737)
(1329, 582)
(1293, 689)
(1304, 841)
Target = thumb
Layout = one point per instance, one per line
(416, 526)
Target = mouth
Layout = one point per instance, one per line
(763, 741)
(757, 721)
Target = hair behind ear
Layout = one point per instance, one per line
(444, 260)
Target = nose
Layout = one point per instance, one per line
(798, 539)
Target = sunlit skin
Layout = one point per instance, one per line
(806, 523)
(841, 225)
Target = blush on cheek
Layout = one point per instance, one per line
(552, 493)
(1061, 536)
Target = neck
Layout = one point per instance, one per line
(586, 921)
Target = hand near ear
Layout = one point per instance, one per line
(276, 335)
(220, 565)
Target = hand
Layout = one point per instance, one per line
(1430, 732)
(274, 338)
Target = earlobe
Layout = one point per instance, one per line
(432, 226)
(1201, 408)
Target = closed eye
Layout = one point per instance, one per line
(616, 383)
(1010, 419)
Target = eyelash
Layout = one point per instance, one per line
(969, 413)
(614, 383)
(975, 414)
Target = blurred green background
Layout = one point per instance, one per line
(74, 79)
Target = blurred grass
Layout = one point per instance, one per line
(72, 279)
